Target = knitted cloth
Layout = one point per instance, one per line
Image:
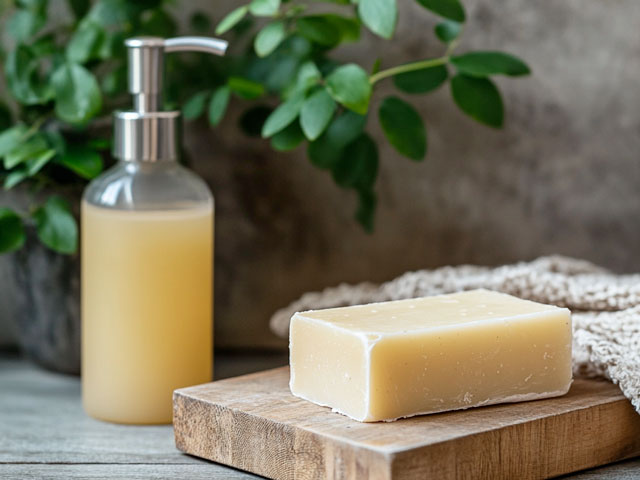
(605, 307)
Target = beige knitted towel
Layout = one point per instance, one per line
(605, 307)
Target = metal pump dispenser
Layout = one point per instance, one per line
(148, 133)
(147, 256)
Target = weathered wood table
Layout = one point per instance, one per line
(44, 432)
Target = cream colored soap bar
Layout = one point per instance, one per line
(390, 360)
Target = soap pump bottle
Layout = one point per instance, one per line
(147, 256)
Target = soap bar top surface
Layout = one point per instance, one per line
(419, 314)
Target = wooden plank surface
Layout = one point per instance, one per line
(255, 424)
(627, 470)
(200, 471)
(45, 434)
(42, 422)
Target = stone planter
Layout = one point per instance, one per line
(41, 297)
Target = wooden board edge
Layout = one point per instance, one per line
(597, 435)
(259, 446)
(586, 437)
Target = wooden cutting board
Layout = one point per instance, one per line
(254, 423)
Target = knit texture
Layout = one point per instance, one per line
(605, 307)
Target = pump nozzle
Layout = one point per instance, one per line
(148, 133)
(215, 46)
(146, 64)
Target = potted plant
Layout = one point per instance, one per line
(64, 79)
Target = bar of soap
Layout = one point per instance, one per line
(385, 361)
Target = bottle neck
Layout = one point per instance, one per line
(132, 166)
(147, 136)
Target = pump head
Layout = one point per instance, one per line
(148, 133)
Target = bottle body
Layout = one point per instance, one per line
(147, 283)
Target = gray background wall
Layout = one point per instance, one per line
(562, 177)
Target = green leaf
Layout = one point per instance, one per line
(32, 4)
(403, 127)
(6, 118)
(269, 38)
(115, 81)
(194, 106)
(24, 24)
(328, 148)
(111, 13)
(99, 143)
(298, 47)
(252, 120)
(79, 7)
(142, 5)
(11, 138)
(12, 235)
(448, 31)
(113, 46)
(23, 78)
(264, 8)
(218, 104)
(56, 227)
(421, 81)
(479, 98)
(366, 209)
(380, 16)
(282, 116)
(358, 165)
(349, 85)
(35, 163)
(24, 151)
(78, 97)
(232, 19)
(287, 139)
(278, 70)
(349, 28)
(316, 113)
(308, 76)
(85, 43)
(245, 88)
(14, 178)
(56, 141)
(319, 29)
(200, 22)
(377, 64)
(483, 64)
(244, 26)
(158, 23)
(44, 46)
(281, 69)
(83, 161)
(451, 9)
(326, 65)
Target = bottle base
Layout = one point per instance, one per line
(126, 420)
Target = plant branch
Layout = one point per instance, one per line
(408, 67)
(413, 66)
(36, 125)
(452, 46)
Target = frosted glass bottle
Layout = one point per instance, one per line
(147, 283)
(147, 256)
